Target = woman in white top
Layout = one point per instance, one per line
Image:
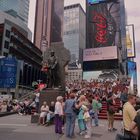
(58, 115)
(44, 111)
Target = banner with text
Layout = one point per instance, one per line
(104, 53)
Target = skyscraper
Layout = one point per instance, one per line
(16, 8)
(48, 22)
(75, 31)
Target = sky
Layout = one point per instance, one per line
(133, 17)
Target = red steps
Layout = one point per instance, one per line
(103, 112)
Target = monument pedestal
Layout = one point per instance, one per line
(50, 95)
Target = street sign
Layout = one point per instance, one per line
(8, 71)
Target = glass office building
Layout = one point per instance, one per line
(74, 31)
(48, 22)
(16, 8)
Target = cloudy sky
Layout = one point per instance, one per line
(133, 17)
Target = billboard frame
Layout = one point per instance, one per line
(133, 34)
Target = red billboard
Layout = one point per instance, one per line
(103, 24)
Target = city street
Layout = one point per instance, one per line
(17, 127)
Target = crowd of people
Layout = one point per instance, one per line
(83, 102)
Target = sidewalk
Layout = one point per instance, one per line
(99, 133)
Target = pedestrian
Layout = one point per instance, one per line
(129, 114)
(111, 112)
(37, 95)
(81, 121)
(70, 115)
(87, 120)
(58, 115)
(96, 108)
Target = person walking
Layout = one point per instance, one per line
(58, 115)
(70, 115)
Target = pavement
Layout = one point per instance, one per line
(16, 127)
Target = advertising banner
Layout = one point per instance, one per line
(104, 53)
(8, 71)
(130, 41)
(103, 24)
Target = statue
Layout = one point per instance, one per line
(52, 70)
(56, 58)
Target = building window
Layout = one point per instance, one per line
(6, 45)
(8, 33)
(5, 54)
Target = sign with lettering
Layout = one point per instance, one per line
(105, 53)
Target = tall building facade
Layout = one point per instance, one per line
(48, 22)
(16, 8)
(75, 31)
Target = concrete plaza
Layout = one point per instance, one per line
(17, 127)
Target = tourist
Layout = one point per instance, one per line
(87, 120)
(129, 114)
(81, 121)
(58, 115)
(96, 108)
(37, 95)
(70, 115)
(135, 125)
(111, 112)
(50, 114)
(3, 107)
(43, 114)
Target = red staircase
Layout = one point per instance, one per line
(103, 112)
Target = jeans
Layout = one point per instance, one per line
(70, 124)
(96, 120)
(49, 117)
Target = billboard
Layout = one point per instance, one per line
(103, 24)
(105, 53)
(8, 71)
(95, 1)
(110, 75)
(130, 41)
(132, 71)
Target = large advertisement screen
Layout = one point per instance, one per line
(105, 53)
(95, 1)
(132, 71)
(110, 75)
(130, 41)
(103, 24)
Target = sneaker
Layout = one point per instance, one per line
(87, 137)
